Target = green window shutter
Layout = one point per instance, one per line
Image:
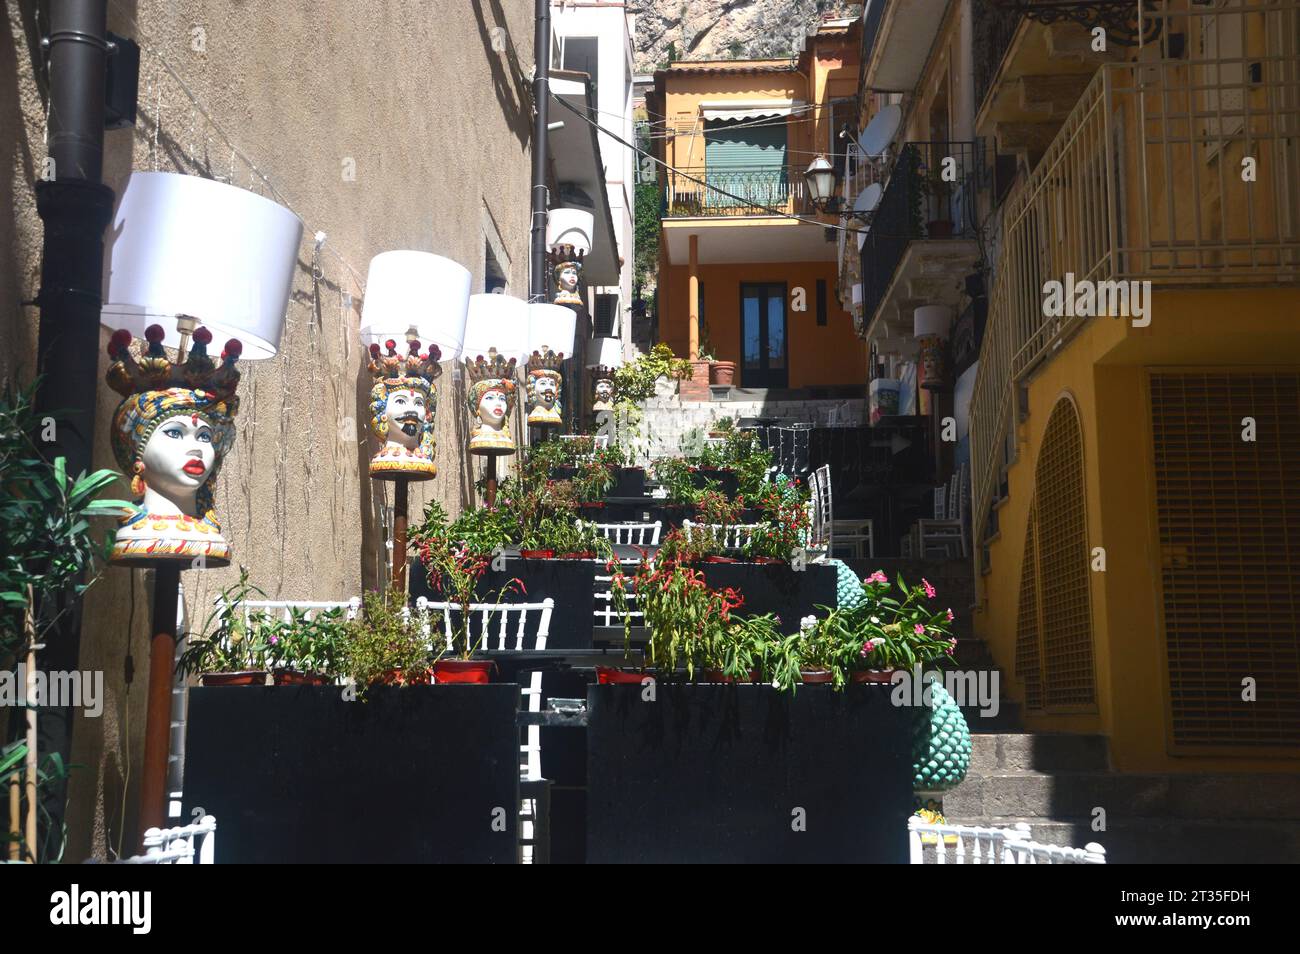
(747, 159)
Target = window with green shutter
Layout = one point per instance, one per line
(747, 159)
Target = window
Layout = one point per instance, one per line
(582, 55)
(494, 277)
(605, 323)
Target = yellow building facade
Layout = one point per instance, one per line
(1134, 420)
(748, 269)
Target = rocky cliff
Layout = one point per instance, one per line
(723, 29)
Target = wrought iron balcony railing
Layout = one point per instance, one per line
(930, 195)
(734, 191)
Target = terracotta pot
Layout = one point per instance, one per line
(292, 677)
(760, 559)
(609, 676)
(872, 675)
(816, 676)
(722, 372)
(537, 554)
(246, 678)
(720, 559)
(577, 555)
(476, 671)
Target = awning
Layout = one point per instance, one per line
(732, 109)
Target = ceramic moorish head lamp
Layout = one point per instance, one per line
(170, 434)
(402, 404)
(568, 237)
(491, 399)
(609, 358)
(551, 334)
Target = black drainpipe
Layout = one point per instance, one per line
(541, 152)
(75, 207)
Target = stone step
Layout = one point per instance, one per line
(1162, 841)
(1036, 794)
(996, 752)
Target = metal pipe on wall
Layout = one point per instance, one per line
(75, 208)
(541, 152)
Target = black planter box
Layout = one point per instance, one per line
(642, 510)
(569, 582)
(746, 774)
(414, 774)
(776, 588)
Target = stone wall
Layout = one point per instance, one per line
(386, 124)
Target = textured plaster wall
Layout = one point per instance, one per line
(431, 106)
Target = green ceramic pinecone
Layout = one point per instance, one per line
(941, 744)
(848, 588)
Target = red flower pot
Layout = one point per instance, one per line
(608, 676)
(817, 676)
(291, 677)
(537, 554)
(246, 678)
(760, 559)
(474, 671)
(720, 559)
(579, 555)
(718, 677)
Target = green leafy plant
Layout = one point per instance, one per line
(890, 628)
(49, 552)
(388, 639)
(786, 524)
(50, 772)
(674, 475)
(231, 642)
(310, 643)
(635, 381)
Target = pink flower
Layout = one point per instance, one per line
(274, 640)
(920, 630)
(877, 577)
(929, 590)
(950, 614)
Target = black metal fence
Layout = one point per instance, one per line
(733, 190)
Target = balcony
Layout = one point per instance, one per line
(1032, 59)
(743, 191)
(920, 243)
(1142, 183)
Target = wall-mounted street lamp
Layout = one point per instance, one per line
(820, 179)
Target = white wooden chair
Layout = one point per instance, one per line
(854, 537)
(599, 442)
(175, 846)
(945, 535)
(514, 627)
(729, 536)
(821, 533)
(931, 844)
(629, 534)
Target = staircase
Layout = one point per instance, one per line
(1053, 782)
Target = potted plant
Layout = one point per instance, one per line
(235, 647)
(387, 644)
(308, 650)
(786, 524)
(889, 629)
(722, 372)
(719, 512)
(938, 193)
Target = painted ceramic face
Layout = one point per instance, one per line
(546, 393)
(405, 413)
(604, 389)
(569, 279)
(178, 458)
(492, 409)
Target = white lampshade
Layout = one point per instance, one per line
(931, 320)
(417, 290)
(608, 353)
(551, 326)
(496, 321)
(183, 245)
(570, 227)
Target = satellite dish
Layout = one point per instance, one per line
(867, 200)
(862, 236)
(880, 132)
